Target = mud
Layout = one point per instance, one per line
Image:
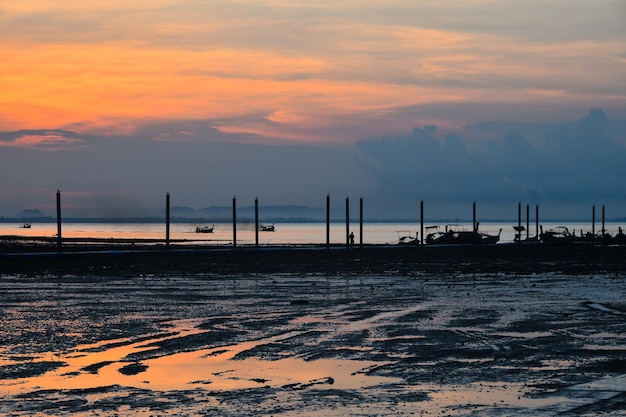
(395, 342)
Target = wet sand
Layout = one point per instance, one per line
(373, 331)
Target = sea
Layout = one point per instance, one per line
(284, 234)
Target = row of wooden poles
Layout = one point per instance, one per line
(527, 228)
(349, 241)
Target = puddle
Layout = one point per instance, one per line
(456, 400)
(103, 364)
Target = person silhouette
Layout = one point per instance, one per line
(351, 238)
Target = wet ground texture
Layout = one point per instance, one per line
(387, 339)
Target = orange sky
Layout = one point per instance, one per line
(288, 70)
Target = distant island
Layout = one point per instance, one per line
(217, 214)
(267, 214)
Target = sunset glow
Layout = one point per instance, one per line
(93, 78)
(111, 66)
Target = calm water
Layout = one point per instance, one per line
(286, 233)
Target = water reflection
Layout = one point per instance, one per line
(106, 363)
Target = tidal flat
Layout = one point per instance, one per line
(395, 342)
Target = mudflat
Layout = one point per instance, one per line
(346, 333)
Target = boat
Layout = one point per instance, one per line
(267, 228)
(26, 226)
(205, 229)
(407, 239)
(462, 237)
(619, 238)
(518, 236)
(560, 235)
(488, 239)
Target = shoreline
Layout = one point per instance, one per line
(141, 257)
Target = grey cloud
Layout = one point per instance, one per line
(580, 166)
(568, 167)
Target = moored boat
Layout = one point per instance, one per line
(205, 229)
(461, 237)
(560, 235)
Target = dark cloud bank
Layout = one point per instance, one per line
(567, 168)
(564, 169)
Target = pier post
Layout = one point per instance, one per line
(421, 222)
(256, 222)
(603, 229)
(167, 220)
(527, 221)
(519, 218)
(59, 238)
(537, 223)
(361, 222)
(327, 221)
(348, 222)
(474, 216)
(234, 222)
(593, 222)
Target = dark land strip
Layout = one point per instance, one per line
(142, 258)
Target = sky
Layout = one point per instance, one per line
(117, 103)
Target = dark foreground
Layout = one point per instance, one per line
(187, 259)
(377, 331)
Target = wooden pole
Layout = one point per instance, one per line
(421, 222)
(593, 222)
(474, 216)
(59, 238)
(527, 221)
(361, 222)
(234, 222)
(347, 222)
(537, 223)
(327, 221)
(256, 222)
(603, 229)
(167, 220)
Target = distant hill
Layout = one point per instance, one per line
(30, 214)
(266, 213)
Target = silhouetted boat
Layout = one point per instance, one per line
(560, 235)
(619, 238)
(407, 239)
(205, 229)
(26, 226)
(267, 228)
(461, 237)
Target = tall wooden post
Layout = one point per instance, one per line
(361, 222)
(347, 222)
(234, 222)
(527, 221)
(421, 222)
(167, 220)
(59, 238)
(537, 223)
(603, 229)
(256, 222)
(327, 221)
(593, 223)
(474, 216)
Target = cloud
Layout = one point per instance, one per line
(566, 167)
(114, 65)
(49, 140)
(580, 167)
